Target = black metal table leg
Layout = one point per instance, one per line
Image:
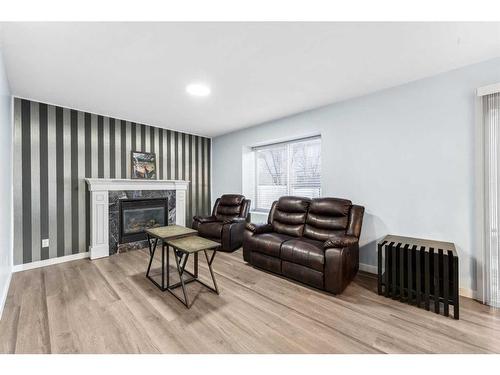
(163, 265)
(153, 251)
(183, 263)
(209, 262)
(168, 265)
(151, 255)
(149, 243)
(195, 264)
(180, 270)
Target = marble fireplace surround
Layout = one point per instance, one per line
(99, 189)
(115, 197)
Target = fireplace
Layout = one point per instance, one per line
(104, 210)
(137, 215)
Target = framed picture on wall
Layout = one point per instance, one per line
(144, 165)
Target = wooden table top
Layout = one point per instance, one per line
(420, 242)
(193, 244)
(170, 231)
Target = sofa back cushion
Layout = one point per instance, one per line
(289, 215)
(327, 217)
(229, 206)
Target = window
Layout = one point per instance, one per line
(288, 168)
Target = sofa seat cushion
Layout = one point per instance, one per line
(210, 230)
(303, 274)
(266, 262)
(268, 243)
(304, 251)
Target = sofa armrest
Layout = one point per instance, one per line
(259, 228)
(341, 265)
(205, 219)
(340, 242)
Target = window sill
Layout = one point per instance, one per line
(259, 217)
(259, 212)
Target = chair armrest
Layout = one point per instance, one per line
(205, 219)
(259, 228)
(340, 242)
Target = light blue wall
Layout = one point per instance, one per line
(406, 154)
(5, 184)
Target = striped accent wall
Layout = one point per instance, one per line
(55, 148)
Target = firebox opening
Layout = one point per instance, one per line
(137, 215)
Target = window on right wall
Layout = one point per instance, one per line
(287, 168)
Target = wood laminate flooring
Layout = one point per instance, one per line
(108, 306)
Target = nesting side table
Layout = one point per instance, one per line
(183, 247)
(184, 242)
(164, 234)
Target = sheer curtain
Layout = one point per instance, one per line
(491, 257)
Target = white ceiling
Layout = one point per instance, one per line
(257, 71)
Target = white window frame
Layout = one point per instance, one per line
(288, 143)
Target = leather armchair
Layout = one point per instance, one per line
(226, 223)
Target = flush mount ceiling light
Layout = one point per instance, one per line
(198, 89)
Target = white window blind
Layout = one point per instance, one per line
(287, 168)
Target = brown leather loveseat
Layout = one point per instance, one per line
(227, 222)
(314, 241)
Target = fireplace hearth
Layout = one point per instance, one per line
(137, 215)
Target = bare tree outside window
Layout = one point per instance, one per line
(292, 168)
(272, 163)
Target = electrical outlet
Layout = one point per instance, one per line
(45, 242)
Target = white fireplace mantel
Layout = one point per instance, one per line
(99, 206)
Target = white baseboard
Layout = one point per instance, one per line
(49, 262)
(99, 251)
(367, 268)
(469, 293)
(464, 292)
(3, 296)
